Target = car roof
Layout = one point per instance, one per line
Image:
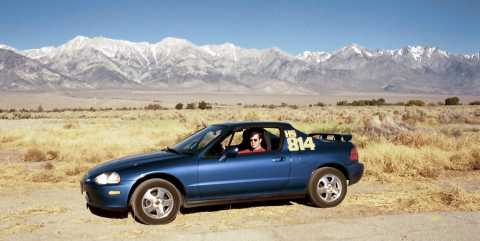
(255, 124)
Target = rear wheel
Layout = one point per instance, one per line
(156, 201)
(327, 187)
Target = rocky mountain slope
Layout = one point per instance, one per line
(172, 63)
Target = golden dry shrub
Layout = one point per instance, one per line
(71, 126)
(52, 155)
(430, 171)
(48, 166)
(387, 159)
(413, 139)
(76, 170)
(475, 163)
(10, 138)
(251, 116)
(45, 177)
(455, 197)
(93, 158)
(34, 155)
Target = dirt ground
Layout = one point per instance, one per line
(140, 98)
(58, 212)
(401, 196)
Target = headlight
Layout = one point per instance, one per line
(107, 178)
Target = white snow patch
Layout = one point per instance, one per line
(3, 46)
(316, 57)
(416, 52)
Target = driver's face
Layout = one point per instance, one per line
(255, 141)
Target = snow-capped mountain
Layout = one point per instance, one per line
(174, 63)
(2, 46)
(22, 73)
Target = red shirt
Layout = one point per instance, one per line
(248, 151)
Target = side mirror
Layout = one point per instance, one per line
(231, 151)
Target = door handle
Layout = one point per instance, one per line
(277, 159)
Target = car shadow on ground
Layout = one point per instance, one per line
(214, 208)
(244, 205)
(108, 214)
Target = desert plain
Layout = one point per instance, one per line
(422, 178)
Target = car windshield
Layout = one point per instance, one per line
(198, 140)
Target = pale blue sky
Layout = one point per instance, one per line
(293, 26)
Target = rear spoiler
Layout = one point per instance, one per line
(336, 137)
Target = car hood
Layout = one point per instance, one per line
(129, 161)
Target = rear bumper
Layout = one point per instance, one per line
(106, 197)
(355, 172)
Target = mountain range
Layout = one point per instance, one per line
(177, 64)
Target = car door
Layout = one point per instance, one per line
(257, 173)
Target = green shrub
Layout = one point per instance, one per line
(153, 107)
(190, 106)
(415, 103)
(342, 102)
(452, 101)
(204, 105)
(179, 106)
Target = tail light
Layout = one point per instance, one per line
(353, 154)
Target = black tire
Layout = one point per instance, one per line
(319, 197)
(138, 199)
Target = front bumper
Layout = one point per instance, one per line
(112, 197)
(355, 172)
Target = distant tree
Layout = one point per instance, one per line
(202, 105)
(415, 102)
(477, 102)
(40, 108)
(320, 104)
(283, 104)
(452, 101)
(190, 106)
(342, 102)
(381, 101)
(179, 106)
(153, 107)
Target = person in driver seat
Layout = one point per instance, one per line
(255, 144)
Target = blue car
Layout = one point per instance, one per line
(226, 163)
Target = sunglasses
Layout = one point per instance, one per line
(253, 139)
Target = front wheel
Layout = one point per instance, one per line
(156, 201)
(327, 187)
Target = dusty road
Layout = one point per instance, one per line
(424, 226)
(46, 212)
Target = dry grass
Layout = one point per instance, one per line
(34, 155)
(396, 143)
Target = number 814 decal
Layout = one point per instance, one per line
(298, 143)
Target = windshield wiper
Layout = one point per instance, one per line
(169, 149)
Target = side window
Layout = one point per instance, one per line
(274, 135)
(229, 140)
(250, 141)
(260, 140)
(235, 139)
(209, 136)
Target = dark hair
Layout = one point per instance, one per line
(259, 133)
